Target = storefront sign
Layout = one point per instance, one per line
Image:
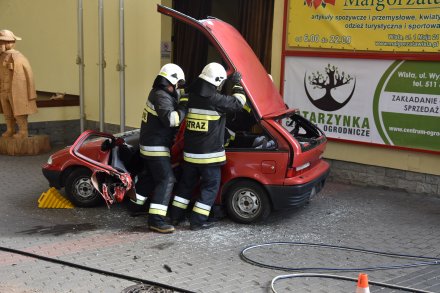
(371, 25)
(377, 101)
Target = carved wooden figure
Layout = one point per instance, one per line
(17, 88)
(17, 100)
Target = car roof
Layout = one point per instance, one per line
(235, 51)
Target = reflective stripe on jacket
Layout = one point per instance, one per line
(205, 123)
(160, 119)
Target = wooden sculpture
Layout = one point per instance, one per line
(17, 100)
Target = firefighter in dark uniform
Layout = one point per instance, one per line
(204, 152)
(160, 120)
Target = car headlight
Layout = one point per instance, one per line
(49, 161)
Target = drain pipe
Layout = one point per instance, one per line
(80, 63)
(121, 66)
(101, 64)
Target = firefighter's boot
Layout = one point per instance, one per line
(10, 127)
(157, 223)
(22, 127)
(137, 205)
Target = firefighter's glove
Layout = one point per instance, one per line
(182, 93)
(125, 153)
(183, 97)
(107, 145)
(235, 77)
(182, 106)
(183, 102)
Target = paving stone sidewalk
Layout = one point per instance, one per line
(209, 261)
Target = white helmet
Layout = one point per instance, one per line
(173, 73)
(214, 73)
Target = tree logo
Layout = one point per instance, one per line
(317, 3)
(328, 83)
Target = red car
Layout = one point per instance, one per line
(274, 160)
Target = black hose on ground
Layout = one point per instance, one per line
(428, 261)
(424, 261)
(94, 270)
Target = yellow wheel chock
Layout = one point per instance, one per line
(52, 199)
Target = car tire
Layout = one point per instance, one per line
(247, 202)
(79, 189)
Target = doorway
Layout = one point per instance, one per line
(252, 18)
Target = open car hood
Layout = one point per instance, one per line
(259, 87)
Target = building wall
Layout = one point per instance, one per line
(142, 49)
(48, 29)
(277, 41)
(390, 178)
(49, 32)
(166, 30)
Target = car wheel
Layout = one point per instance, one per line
(80, 190)
(247, 202)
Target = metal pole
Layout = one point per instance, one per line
(101, 64)
(121, 65)
(80, 62)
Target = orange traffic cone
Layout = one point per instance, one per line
(362, 285)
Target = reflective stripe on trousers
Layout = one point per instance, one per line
(180, 202)
(158, 209)
(140, 200)
(158, 174)
(201, 208)
(209, 186)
